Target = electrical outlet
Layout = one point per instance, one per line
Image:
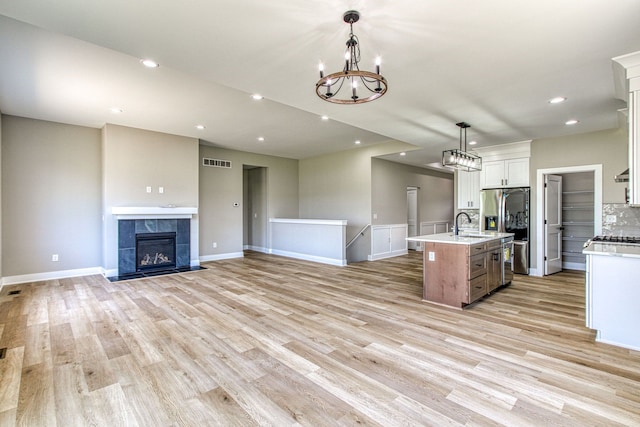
(161, 190)
(148, 189)
(54, 257)
(611, 219)
(432, 256)
(215, 244)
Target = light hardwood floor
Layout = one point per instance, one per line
(267, 340)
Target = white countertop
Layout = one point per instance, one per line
(462, 239)
(616, 249)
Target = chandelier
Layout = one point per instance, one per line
(362, 86)
(460, 158)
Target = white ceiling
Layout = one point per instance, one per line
(491, 63)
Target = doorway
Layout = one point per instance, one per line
(580, 216)
(412, 216)
(255, 213)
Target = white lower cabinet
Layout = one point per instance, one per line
(612, 296)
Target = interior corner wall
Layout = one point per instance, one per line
(134, 159)
(389, 196)
(338, 186)
(608, 148)
(50, 196)
(220, 188)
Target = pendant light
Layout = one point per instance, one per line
(460, 158)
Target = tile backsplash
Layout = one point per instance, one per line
(627, 220)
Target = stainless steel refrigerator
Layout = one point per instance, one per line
(507, 210)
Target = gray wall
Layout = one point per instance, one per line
(609, 148)
(338, 186)
(134, 159)
(220, 188)
(50, 196)
(389, 201)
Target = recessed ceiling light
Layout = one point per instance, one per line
(257, 96)
(200, 127)
(357, 142)
(149, 63)
(557, 100)
(116, 110)
(571, 122)
(403, 154)
(325, 117)
(261, 138)
(473, 142)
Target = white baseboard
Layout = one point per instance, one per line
(218, 257)
(257, 249)
(387, 255)
(313, 258)
(51, 275)
(580, 266)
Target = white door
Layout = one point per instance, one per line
(552, 224)
(412, 215)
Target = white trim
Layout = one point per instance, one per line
(597, 205)
(257, 249)
(219, 257)
(580, 266)
(153, 212)
(388, 255)
(51, 275)
(618, 344)
(513, 150)
(313, 258)
(310, 221)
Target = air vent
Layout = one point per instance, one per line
(216, 163)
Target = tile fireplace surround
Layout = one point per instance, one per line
(136, 220)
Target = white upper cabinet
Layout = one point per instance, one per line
(505, 166)
(468, 190)
(626, 70)
(505, 173)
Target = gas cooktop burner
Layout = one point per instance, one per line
(617, 239)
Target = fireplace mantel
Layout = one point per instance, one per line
(153, 212)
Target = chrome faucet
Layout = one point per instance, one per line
(456, 228)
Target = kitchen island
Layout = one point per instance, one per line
(613, 293)
(459, 270)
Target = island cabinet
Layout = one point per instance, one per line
(457, 275)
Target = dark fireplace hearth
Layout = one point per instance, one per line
(155, 251)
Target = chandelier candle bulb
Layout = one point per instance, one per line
(321, 68)
(378, 67)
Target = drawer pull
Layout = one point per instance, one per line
(478, 265)
(478, 287)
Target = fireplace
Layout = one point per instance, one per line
(155, 251)
(152, 246)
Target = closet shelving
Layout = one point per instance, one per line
(577, 220)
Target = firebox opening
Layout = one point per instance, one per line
(155, 251)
